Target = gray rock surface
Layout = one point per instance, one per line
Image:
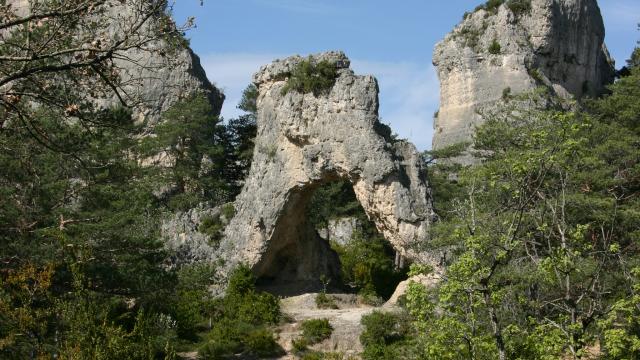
(340, 230)
(153, 77)
(558, 43)
(304, 141)
(182, 235)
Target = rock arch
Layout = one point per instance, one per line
(304, 141)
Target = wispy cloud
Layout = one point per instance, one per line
(408, 91)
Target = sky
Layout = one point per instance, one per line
(392, 40)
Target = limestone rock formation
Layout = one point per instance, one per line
(555, 43)
(304, 141)
(183, 233)
(340, 230)
(153, 77)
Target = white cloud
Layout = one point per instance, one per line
(408, 91)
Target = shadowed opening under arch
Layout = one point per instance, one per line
(298, 257)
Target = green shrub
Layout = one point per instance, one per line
(311, 77)
(244, 303)
(519, 7)
(316, 355)
(299, 346)
(213, 227)
(383, 328)
(494, 48)
(255, 308)
(241, 281)
(385, 336)
(368, 296)
(316, 330)
(506, 93)
(228, 211)
(261, 343)
(313, 355)
(324, 301)
(491, 6)
(368, 264)
(232, 336)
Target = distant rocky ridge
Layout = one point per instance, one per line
(305, 141)
(556, 43)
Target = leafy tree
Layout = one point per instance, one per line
(544, 237)
(240, 135)
(188, 155)
(64, 54)
(79, 232)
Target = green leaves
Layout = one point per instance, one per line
(311, 77)
(541, 235)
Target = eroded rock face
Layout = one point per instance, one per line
(340, 230)
(154, 77)
(304, 141)
(558, 43)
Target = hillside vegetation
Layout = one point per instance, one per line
(541, 240)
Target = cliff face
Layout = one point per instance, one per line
(153, 77)
(555, 43)
(304, 141)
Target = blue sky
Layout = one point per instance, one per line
(393, 40)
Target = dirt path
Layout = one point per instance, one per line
(345, 321)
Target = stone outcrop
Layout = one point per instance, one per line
(556, 43)
(304, 141)
(340, 230)
(183, 234)
(154, 78)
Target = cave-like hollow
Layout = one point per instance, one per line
(300, 261)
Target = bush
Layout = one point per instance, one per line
(506, 93)
(311, 77)
(244, 303)
(299, 346)
(519, 7)
(254, 308)
(383, 328)
(384, 335)
(213, 227)
(228, 211)
(231, 336)
(494, 48)
(261, 343)
(368, 264)
(316, 330)
(324, 301)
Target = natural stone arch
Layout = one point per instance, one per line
(304, 141)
